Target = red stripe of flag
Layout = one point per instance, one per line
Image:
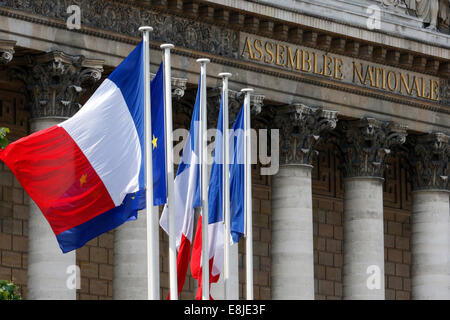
(58, 177)
(184, 253)
(196, 268)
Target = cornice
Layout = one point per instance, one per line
(230, 4)
(225, 54)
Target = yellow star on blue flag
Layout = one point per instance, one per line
(154, 142)
(159, 150)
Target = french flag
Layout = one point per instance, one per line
(237, 178)
(86, 174)
(186, 195)
(215, 218)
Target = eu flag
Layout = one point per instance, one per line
(158, 138)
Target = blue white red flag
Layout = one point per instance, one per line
(186, 195)
(237, 178)
(87, 174)
(215, 217)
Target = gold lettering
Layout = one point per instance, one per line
(405, 83)
(258, 48)
(269, 47)
(423, 88)
(416, 87)
(248, 49)
(383, 80)
(306, 61)
(294, 61)
(280, 55)
(429, 93)
(338, 62)
(434, 95)
(357, 72)
(377, 78)
(327, 61)
(369, 75)
(295, 58)
(389, 82)
(315, 64)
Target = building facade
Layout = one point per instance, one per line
(354, 94)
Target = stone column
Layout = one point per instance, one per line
(6, 51)
(429, 156)
(292, 253)
(130, 244)
(364, 145)
(54, 83)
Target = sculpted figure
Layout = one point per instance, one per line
(430, 11)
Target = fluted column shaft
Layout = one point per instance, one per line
(363, 269)
(364, 145)
(429, 156)
(430, 245)
(130, 259)
(292, 217)
(292, 234)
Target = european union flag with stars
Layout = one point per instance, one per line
(158, 138)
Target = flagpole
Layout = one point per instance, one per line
(226, 186)
(170, 172)
(248, 195)
(152, 219)
(204, 179)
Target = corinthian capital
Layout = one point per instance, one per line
(235, 101)
(6, 51)
(256, 103)
(365, 144)
(300, 129)
(178, 86)
(429, 156)
(55, 81)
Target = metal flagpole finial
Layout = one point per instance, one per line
(225, 74)
(247, 90)
(145, 28)
(167, 46)
(203, 60)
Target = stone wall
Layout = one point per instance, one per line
(13, 200)
(96, 262)
(397, 253)
(328, 228)
(328, 242)
(14, 230)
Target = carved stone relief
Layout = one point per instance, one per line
(55, 81)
